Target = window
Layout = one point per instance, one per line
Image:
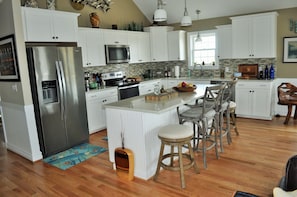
(203, 51)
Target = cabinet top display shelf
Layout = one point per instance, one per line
(49, 11)
(256, 15)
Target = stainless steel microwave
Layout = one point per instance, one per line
(116, 54)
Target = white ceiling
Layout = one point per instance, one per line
(211, 8)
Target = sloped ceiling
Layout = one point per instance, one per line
(211, 8)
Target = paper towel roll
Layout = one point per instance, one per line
(176, 71)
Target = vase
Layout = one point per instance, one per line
(31, 3)
(51, 4)
(94, 19)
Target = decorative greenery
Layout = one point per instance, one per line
(104, 5)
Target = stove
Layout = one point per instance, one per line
(127, 87)
(118, 79)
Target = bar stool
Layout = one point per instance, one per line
(176, 136)
(227, 109)
(204, 115)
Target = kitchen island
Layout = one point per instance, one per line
(139, 121)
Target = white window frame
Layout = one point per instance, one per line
(190, 46)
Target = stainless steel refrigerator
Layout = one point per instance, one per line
(57, 83)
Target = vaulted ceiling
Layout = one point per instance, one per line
(211, 8)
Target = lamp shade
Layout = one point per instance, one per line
(186, 21)
(160, 15)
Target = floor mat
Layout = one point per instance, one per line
(74, 156)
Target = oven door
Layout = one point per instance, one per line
(128, 91)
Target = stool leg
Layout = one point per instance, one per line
(295, 114)
(181, 166)
(234, 121)
(204, 133)
(171, 157)
(193, 159)
(159, 161)
(288, 114)
(219, 126)
(229, 138)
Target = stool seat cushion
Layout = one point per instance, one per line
(175, 131)
(196, 113)
(232, 104)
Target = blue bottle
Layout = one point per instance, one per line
(271, 72)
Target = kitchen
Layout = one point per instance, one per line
(18, 98)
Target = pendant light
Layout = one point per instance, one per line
(186, 20)
(198, 38)
(160, 14)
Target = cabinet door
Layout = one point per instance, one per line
(91, 41)
(144, 52)
(261, 102)
(159, 50)
(224, 41)
(139, 43)
(243, 100)
(38, 25)
(94, 112)
(115, 37)
(64, 27)
(263, 40)
(133, 40)
(176, 45)
(241, 38)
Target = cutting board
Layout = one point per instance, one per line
(161, 96)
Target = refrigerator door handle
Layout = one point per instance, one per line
(64, 88)
(60, 84)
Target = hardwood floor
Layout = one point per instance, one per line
(254, 162)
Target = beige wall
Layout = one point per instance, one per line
(285, 70)
(122, 12)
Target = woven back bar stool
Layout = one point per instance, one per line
(176, 136)
(227, 110)
(203, 115)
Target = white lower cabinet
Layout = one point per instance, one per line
(95, 107)
(253, 99)
(148, 87)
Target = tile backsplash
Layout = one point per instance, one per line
(159, 68)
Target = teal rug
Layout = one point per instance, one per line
(74, 156)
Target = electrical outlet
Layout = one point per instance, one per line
(14, 87)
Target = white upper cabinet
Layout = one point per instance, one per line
(139, 43)
(117, 37)
(224, 35)
(159, 43)
(43, 25)
(92, 43)
(176, 45)
(254, 36)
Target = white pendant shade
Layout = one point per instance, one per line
(186, 21)
(160, 15)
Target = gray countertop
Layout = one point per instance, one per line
(140, 104)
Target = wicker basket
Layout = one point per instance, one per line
(185, 89)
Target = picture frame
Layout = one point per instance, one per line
(290, 50)
(9, 70)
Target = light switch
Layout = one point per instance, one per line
(14, 87)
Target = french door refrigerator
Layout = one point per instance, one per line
(57, 83)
